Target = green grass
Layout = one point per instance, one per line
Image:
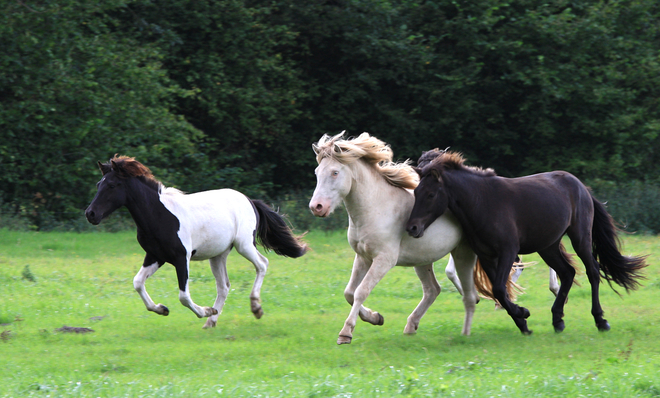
(291, 351)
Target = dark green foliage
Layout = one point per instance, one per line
(27, 274)
(232, 94)
(73, 92)
(635, 205)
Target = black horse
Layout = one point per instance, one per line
(502, 217)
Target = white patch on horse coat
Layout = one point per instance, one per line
(207, 227)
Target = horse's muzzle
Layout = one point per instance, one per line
(319, 208)
(415, 230)
(92, 216)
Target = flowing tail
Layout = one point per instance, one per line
(485, 287)
(614, 267)
(273, 233)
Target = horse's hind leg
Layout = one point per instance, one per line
(450, 271)
(149, 267)
(555, 257)
(582, 247)
(431, 289)
(553, 285)
(219, 268)
(465, 260)
(250, 252)
(360, 268)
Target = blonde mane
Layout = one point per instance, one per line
(373, 151)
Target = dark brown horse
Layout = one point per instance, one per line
(502, 217)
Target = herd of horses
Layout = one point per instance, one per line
(398, 215)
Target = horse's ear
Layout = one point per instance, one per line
(418, 171)
(119, 170)
(436, 174)
(105, 169)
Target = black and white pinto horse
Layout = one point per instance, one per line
(176, 228)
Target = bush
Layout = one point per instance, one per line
(295, 207)
(634, 205)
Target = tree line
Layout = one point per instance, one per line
(233, 93)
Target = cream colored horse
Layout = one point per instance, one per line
(378, 198)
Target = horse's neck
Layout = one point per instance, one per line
(371, 197)
(465, 191)
(143, 202)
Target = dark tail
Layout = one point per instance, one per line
(274, 234)
(614, 267)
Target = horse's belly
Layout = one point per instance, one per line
(211, 241)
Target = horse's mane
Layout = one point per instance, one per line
(127, 167)
(373, 151)
(449, 160)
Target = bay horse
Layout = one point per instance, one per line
(377, 194)
(176, 228)
(502, 217)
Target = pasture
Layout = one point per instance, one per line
(51, 280)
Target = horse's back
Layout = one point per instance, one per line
(544, 205)
(211, 222)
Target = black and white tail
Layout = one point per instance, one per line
(273, 233)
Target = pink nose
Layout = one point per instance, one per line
(318, 209)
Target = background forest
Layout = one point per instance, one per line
(213, 94)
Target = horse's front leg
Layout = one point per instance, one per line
(360, 268)
(430, 289)
(181, 265)
(379, 267)
(149, 267)
(498, 272)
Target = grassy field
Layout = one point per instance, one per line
(51, 280)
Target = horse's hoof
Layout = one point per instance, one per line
(209, 324)
(526, 332)
(603, 326)
(213, 311)
(258, 313)
(164, 311)
(344, 340)
(381, 320)
(410, 329)
(559, 327)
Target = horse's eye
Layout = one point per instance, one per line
(335, 173)
(431, 194)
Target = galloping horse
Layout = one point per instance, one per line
(426, 159)
(176, 228)
(378, 198)
(502, 217)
